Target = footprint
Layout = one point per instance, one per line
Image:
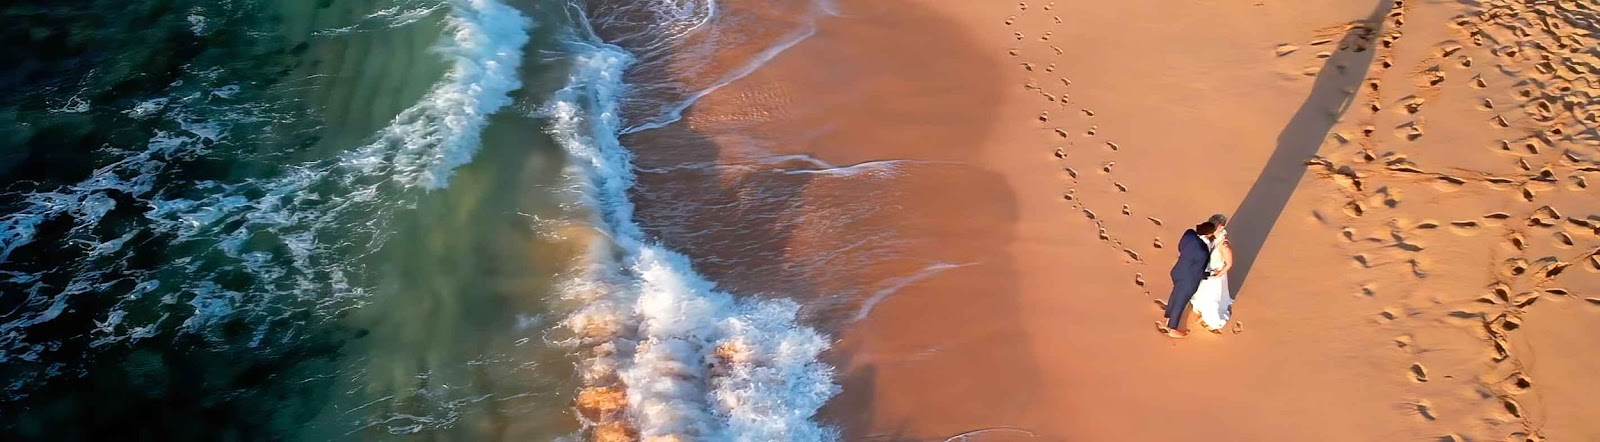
(1517, 383)
(1500, 122)
(1027, 66)
(1088, 112)
(1512, 407)
(1126, 210)
(1424, 409)
(1133, 254)
(1089, 213)
(1107, 168)
(1285, 49)
(1044, 116)
(1011, 20)
(1120, 187)
(1516, 266)
(1157, 243)
(1554, 269)
(1419, 373)
(1156, 221)
(1138, 279)
(1113, 146)
(1238, 327)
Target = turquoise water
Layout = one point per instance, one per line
(257, 220)
(362, 219)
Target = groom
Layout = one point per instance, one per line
(1193, 256)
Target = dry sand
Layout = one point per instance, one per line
(1410, 186)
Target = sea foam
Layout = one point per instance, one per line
(697, 362)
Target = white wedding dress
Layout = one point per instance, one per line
(1212, 301)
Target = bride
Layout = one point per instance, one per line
(1212, 301)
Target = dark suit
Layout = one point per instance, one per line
(1193, 257)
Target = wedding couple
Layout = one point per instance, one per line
(1200, 278)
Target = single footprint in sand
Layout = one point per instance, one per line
(1108, 166)
(1120, 187)
(1044, 116)
(1419, 373)
(1092, 130)
(1238, 327)
(1154, 220)
(1500, 122)
(1013, 52)
(1113, 146)
(1018, 35)
(1126, 210)
(1517, 383)
(1045, 37)
(1061, 132)
(1027, 66)
(1087, 112)
(1285, 49)
(1479, 83)
(1512, 407)
(1157, 243)
(1011, 20)
(1050, 67)
(1424, 409)
(1138, 279)
(1516, 266)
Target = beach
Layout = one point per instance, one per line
(807, 220)
(1409, 268)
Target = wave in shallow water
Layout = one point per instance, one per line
(696, 363)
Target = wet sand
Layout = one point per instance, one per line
(1415, 231)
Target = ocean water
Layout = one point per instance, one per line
(370, 219)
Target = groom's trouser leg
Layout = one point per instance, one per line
(1178, 302)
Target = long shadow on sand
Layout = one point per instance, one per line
(835, 174)
(1336, 87)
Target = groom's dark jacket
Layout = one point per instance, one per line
(1193, 257)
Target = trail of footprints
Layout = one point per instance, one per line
(1550, 127)
(1078, 169)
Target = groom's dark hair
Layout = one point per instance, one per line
(1205, 228)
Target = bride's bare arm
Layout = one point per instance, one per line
(1227, 257)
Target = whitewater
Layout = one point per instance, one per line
(696, 362)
